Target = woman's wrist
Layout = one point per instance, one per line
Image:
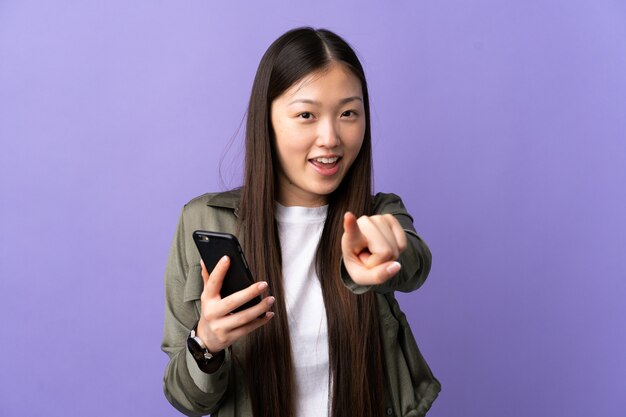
(207, 361)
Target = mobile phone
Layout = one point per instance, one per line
(212, 247)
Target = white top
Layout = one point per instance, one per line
(300, 229)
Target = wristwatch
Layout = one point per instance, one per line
(207, 361)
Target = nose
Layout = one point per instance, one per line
(328, 135)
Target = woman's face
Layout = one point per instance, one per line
(319, 124)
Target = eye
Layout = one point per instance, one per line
(349, 113)
(305, 115)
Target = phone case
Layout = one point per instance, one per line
(212, 246)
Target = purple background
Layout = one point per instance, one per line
(502, 124)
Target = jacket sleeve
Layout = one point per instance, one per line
(415, 260)
(186, 387)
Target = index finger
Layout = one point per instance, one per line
(205, 273)
(213, 282)
(352, 238)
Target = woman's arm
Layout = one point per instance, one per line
(186, 387)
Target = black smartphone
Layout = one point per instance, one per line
(212, 246)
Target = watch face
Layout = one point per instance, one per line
(196, 350)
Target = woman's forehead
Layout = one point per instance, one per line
(335, 78)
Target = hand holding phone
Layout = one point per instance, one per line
(224, 319)
(213, 246)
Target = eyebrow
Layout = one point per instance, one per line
(317, 103)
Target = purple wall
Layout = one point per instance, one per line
(502, 124)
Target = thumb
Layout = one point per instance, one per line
(382, 273)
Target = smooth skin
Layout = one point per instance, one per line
(217, 328)
(320, 116)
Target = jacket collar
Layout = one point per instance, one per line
(227, 199)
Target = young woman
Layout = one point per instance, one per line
(328, 338)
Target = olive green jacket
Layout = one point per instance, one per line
(410, 387)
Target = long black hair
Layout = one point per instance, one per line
(355, 351)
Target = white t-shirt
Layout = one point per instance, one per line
(300, 229)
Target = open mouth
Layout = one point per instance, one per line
(325, 162)
(326, 166)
